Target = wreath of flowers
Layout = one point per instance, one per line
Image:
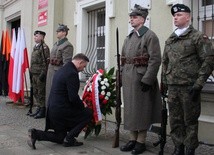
(99, 94)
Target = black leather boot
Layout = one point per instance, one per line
(139, 148)
(71, 142)
(190, 151)
(128, 146)
(41, 113)
(32, 138)
(36, 112)
(179, 150)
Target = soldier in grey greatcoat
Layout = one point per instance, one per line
(188, 61)
(140, 59)
(61, 53)
(38, 71)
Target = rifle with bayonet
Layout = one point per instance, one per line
(118, 96)
(31, 94)
(162, 136)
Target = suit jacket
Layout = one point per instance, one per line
(64, 104)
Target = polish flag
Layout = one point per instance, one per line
(12, 95)
(18, 69)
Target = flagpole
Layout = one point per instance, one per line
(26, 87)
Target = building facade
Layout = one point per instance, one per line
(93, 25)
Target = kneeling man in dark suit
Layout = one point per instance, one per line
(66, 113)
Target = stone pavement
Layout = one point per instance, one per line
(14, 125)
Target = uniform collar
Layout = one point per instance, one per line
(190, 28)
(139, 32)
(61, 41)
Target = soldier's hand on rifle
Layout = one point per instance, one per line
(194, 94)
(145, 87)
(163, 89)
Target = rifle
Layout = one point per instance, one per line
(162, 138)
(43, 54)
(31, 95)
(118, 96)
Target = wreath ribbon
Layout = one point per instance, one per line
(97, 115)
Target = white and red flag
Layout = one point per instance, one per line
(18, 65)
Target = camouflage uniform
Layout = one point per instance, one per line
(187, 62)
(38, 71)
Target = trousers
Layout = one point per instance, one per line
(57, 136)
(183, 116)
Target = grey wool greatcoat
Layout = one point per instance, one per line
(141, 109)
(62, 51)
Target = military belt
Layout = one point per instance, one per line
(136, 61)
(55, 62)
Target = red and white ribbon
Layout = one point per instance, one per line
(95, 96)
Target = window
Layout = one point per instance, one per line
(96, 41)
(206, 22)
(207, 2)
(101, 39)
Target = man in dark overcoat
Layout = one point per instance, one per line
(66, 113)
(140, 58)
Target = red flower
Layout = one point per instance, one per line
(105, 101)
(101, 97)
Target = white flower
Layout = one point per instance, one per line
(99, 78)
(89, 88)
(106, 97)
(107, 84)
(103, 87)
(105, 79)
(108, 94)
(103, 93)
(114, 77)
(102, 82)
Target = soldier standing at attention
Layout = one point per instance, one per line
(188, 61)
(61, 53)
(140, 60)
(38, 71)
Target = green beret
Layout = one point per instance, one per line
(139, 11)
(62, 27)
(39, 32)
(179, 8)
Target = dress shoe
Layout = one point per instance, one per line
(179, 150)
(190, 151)
(36, 112)
(139, 148)
(41, 113)
(73, 142)
(128, 146)
(32, 135)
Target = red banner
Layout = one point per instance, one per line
(42, 18)
(42, 4)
